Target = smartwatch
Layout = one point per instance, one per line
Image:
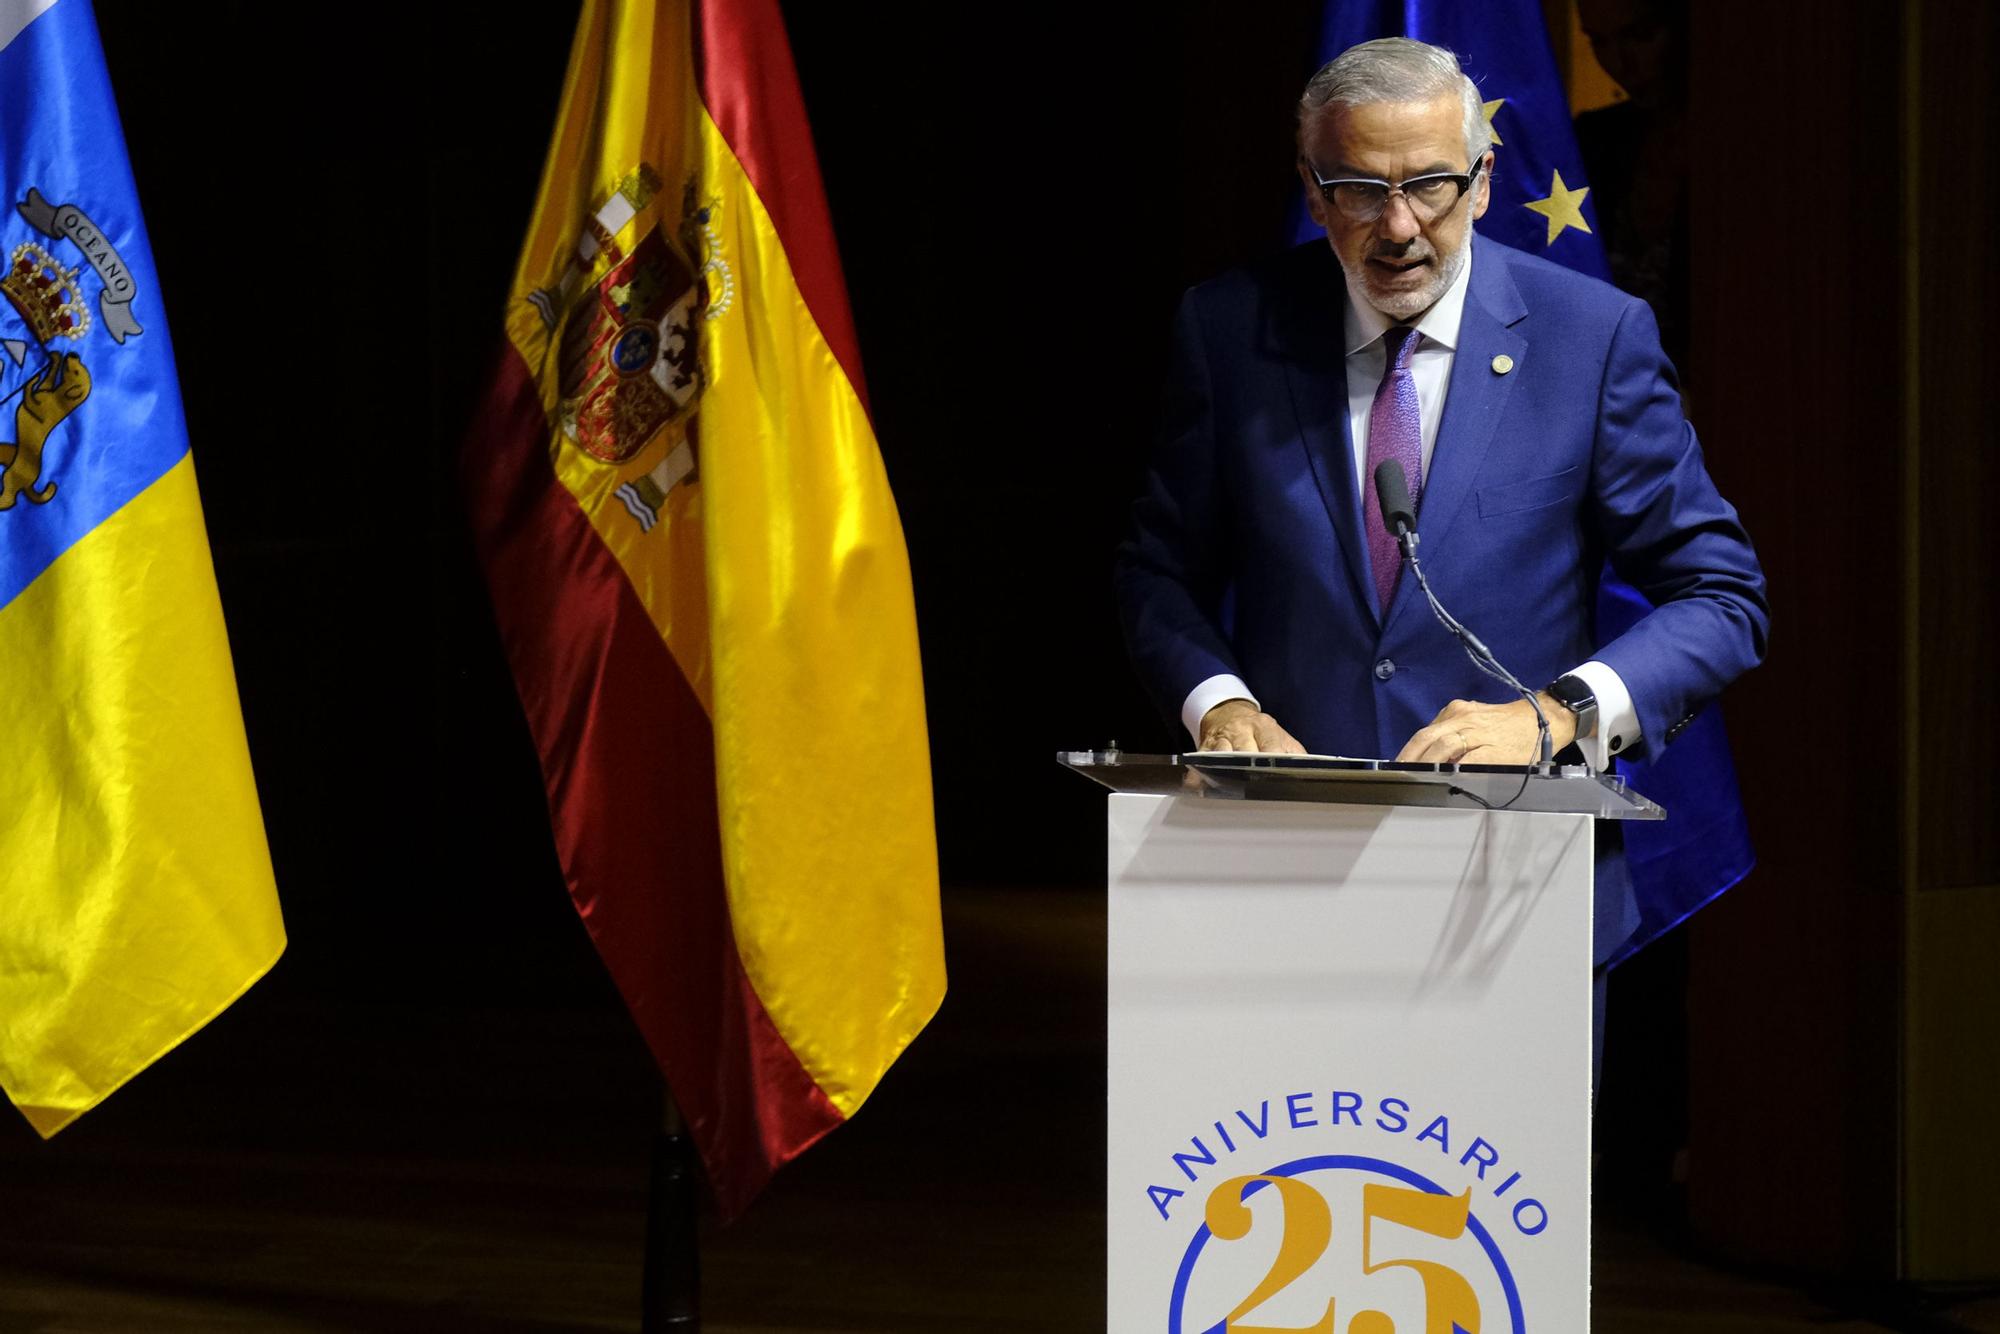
(1574, 694)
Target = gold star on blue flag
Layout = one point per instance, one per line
(1563, 207)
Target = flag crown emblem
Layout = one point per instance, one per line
(628, 356)
(46, 294)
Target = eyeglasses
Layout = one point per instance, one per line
(1362, 199)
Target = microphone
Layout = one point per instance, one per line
(1392, 493)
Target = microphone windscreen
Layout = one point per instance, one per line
(1394, 494)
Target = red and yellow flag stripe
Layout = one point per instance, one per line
(713, 634)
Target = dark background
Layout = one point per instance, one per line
(1019, 199)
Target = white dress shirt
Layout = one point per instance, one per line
(1430, 366)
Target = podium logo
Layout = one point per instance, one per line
(1342, 1244)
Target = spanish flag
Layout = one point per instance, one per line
(136, 895)
(702, 588)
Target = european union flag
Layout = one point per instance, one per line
(1541, 204)
(139, 894)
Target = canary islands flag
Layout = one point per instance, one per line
(702, 588)
(1541, 204)
(138, 899)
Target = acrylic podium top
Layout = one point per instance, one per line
(1566, 789)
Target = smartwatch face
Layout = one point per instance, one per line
(1572, 694)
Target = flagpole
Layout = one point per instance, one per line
(671, 1297)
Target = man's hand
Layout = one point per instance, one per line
(1235, 724)
(1467, 733)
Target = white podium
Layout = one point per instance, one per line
(1350, 1046)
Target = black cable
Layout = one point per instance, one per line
(1470, 795)
(1482, 658)
(1392, 494)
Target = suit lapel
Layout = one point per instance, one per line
(1473, 403)
(1306, 332)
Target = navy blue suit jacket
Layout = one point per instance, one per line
(1248, 554)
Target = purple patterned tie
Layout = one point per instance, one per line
(1395, 431)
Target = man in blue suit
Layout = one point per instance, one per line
(1540, 427)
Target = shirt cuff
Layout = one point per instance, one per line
(1617, 720)
(1211, 693)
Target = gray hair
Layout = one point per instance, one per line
(1396, 69)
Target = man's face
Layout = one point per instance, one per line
(1402, 262)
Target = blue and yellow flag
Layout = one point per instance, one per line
(136, 895)
(1541, 204)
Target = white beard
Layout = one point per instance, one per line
(1409, 304)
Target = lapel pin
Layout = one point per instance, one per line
(1502, 364)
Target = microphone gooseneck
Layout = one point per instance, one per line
(1392, 493)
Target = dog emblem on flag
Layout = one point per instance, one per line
(45, 302)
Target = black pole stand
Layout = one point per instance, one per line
(671, 1299)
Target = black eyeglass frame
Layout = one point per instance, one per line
(1462, 179)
